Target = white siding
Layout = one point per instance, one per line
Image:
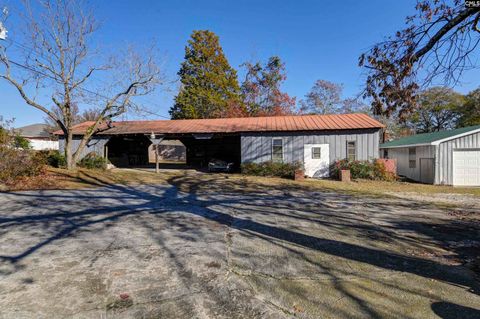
(402, 157)
(444, 169)
(42, 145)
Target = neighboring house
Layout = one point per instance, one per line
(38, 136)
(316, 141)
(168, 150)
(446, 157)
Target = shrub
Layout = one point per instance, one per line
(285, 170)
(18, 163)
(93, 161)
(362, 169)
(52, 158)
(21, 142)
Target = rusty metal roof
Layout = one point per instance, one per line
(237, 125)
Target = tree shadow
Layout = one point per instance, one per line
(216, 200)
(447, 310)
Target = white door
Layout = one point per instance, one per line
(316, 160)
(466, 168)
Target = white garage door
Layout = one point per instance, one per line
(466, 167)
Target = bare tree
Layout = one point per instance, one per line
(438, 43)
(56, 57)
(325, 97)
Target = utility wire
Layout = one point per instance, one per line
(80, 88)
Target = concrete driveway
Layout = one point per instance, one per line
(208, 246)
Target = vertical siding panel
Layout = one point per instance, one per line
(256, 147)
(266, 148)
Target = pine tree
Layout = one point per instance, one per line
(209, 83)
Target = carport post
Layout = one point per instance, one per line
(156, 139)
(157, 170)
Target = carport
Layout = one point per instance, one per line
(201, 148)
(128, 150)
(132, 150)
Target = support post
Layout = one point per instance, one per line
(156, 139)
(157, 169)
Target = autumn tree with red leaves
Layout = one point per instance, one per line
(262, 92)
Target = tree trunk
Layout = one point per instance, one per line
(79, 150)
(71, 164)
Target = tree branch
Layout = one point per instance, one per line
(462, 16)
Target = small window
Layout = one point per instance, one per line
(277, 150)
(412, 157)
(351, 151)
(316, 152)
(385, 153)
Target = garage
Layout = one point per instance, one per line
(466, 167)
(449, 157)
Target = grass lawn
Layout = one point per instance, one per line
(381, 187)
(62, 179)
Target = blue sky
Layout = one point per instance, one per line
(316, 39)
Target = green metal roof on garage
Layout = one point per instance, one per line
(434, 138)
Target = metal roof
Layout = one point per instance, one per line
(434, 138)
(237, 125)
(33, 130)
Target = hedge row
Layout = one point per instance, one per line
(274, 169)
(373, 170)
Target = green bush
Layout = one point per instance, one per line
(53, 158)
(18, 163)
(93, 161)
(373, 170)
(285, 170)
(21, 142)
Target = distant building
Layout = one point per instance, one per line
(169, 151)
(38, 136)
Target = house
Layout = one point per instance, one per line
(316, 141)
(446, 157)
(39, 137)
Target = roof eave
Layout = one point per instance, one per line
(438, 142)
(407, 145)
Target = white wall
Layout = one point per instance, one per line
(42, 145)
(402, 157)
(444, 169)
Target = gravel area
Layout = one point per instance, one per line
(206, 246)
(460, 200)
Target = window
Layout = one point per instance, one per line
(412, 157)
(385, 153)
(277, 150)
(351, 151)
(316, 152)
